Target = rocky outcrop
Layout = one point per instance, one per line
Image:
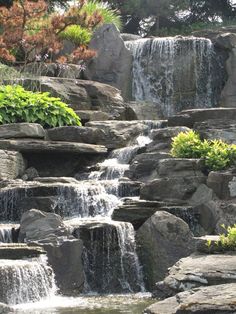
(113, 62)
(162, 240)
(214, 299)
(81, 94)
(22, 130)
(198, 270)
(12, 165)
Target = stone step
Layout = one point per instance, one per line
(191, 116)
(19, 251)
(38, 146)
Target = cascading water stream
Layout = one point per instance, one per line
(175, 73)
(110, 260)
(24, 281)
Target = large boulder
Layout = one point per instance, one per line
(218, 299)
(36, 225)
(176, 189)
(198, 270)
(12, 165)
(65, 257)
(162, 240)
(63, 250)
(81, 94)
(22, 130)
(113, 62)
(180, 167)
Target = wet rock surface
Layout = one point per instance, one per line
(162, 240)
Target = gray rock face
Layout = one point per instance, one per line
(162, 138)
(113, 62)
(198, 270)
(144, 110)
(77, 134)
(210, 300)
(22, 130)
(180, 167)
(171, 189)
(119, 133)
(37, 146)
(89, 115)
(191, 116)
(143, 166)
(217, 129)
(12, 165)
(81, 94)
(223, 183)
(228, 42)
(65, 257)
(37, 225)
(162, 240)
(63, 250)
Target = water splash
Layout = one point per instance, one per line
(175, 73)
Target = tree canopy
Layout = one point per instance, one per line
(149, 16)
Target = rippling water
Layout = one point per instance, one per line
(109, 304)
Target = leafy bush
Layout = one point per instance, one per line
(188, 145)
(18, 105)
(77, 35)
(228, 241)
(216, 154)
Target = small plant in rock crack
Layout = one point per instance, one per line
(19, 105)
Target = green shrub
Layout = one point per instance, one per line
(77, 35)
(188, 145)
(18, 105)
(228, 240)
(109, 16)
(216, 154)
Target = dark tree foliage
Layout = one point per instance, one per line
(137, 14)
(211, 10)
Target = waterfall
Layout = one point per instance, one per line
(110, 260)
(24, 281)
(7, 232)
(175, 73)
